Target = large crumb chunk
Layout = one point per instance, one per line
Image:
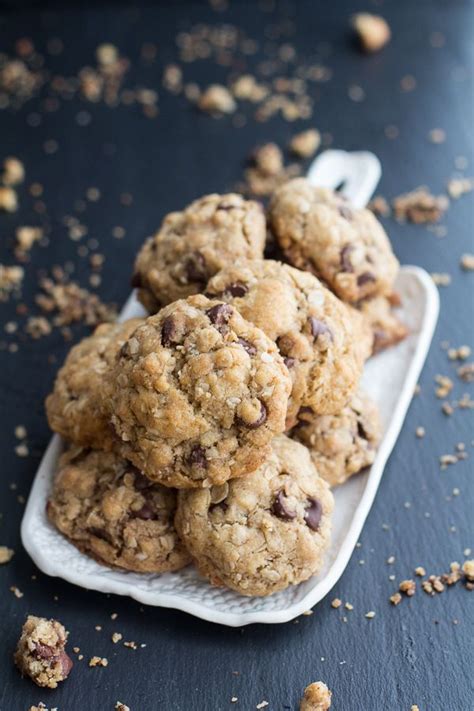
(306, 143)
(317, 697)
(372, 30)
(41, 654)
(420, 206)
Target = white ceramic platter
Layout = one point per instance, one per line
(390, 378)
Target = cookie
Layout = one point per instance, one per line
(40, 653)
(111, 512)
(341, 445)
(199, 394)
(76, 408)
(313, 330)
(387, 329)
(320, 231)
(194, 244)
(261, 533)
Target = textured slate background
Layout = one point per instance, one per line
(411, 654)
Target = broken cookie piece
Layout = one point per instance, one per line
(41, 654)
(317, 697)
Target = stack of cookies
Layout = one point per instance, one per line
(212, 430)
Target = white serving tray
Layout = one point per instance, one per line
(390, 378)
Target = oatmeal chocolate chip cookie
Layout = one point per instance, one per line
(41, 654)
(313, 330)
(200, 392)
(321, 232)
(343, 444)
(76, 408)
(110, 511)
(261, 533)
(194, 244)
(387, 329)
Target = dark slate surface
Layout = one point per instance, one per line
(411, 654)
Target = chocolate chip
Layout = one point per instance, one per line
(305, 410)
(280, 508)
(197, 457)
(100, 533)
(44, 651)
(289, 362)
(146, 513)
(136, 281)
(140, 482)
(365, 278)
(236, 289)
(246, 345)
(345, 212)
(226, 206)
(361, 431)
(313, 513)
(346, 265)
(220, 505)
(168, 332)
(259, 421)
(195, 268)
(318, 328)
(219, 315)
(66, 663)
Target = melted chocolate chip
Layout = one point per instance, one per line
(197, 457)
(100, 533)
(246, 345)
(226, 206)
(219, 315)
(136, 281)
(345, 212)
(66, 663)
(289, 362)
(146, 513)
(168, 332)
(220, 505)
(259, 421)
(280, 508)
(365, 278)
(140, 482)
(318, 328)
(346, 265)
(195, 268)
(313, 513)
(236, 289)
(44, 651)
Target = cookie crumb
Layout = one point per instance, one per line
(317, 697)
(98, 661)
(370, 615)
(468, 569)
(306, 143)
(119, 706)
(420, 206)
(217, 99)
(379, 206)
(467, 262)
(420, 571)
(372, 30)
(408, 587)
(396, 598)
(420, 432)
(8, 199)
(13, 171)
(16, 591)
(6, 554)
(457, 187)
(262, 705)
(116, 637)
(336, 603)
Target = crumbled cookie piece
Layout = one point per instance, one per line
(25, 239)
(78, 406)
(13, 172)
(192, 245)
(306, 143)
(217, 99)
(336, 603)
(317, 697)
(420, 206)
(199, 394)
(6, 554)
(341, 445)
(396, 598)
(267, 171)
(468, 570)
(96, 661)
(408, 587)
(69, 303)
(263, 532)
(321, 232)
(313, 330)
(8, 199)
(379, 206)
(41, 654)
(247, 88)
(111, 512)
(119, 706)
